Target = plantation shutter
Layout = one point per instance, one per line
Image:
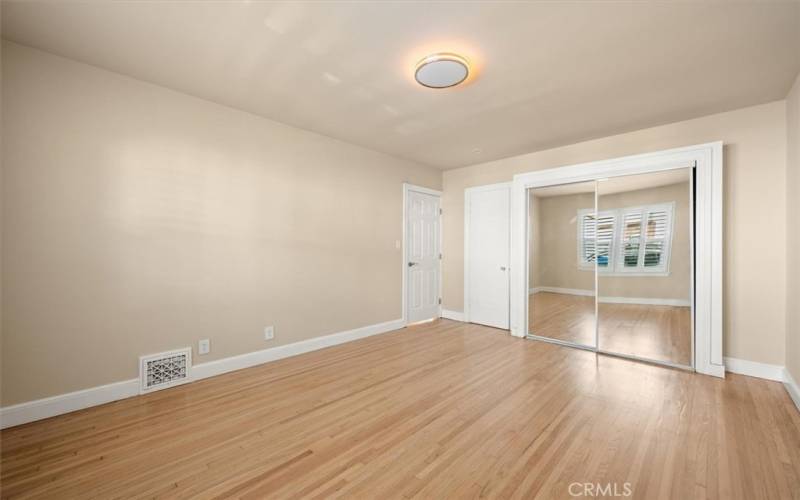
(588, 247)
(605, 240)
(597, 238)
(655, 237)
(631, 239)
(627, 240)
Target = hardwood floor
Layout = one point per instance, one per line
(661, 333)
(439, 410)
(570, 318)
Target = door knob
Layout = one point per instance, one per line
(412, 264)
(502, 268)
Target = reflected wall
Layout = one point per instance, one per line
(610, 265)
(561, 302)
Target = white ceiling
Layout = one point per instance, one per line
(546, 74)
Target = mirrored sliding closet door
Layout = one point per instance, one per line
(610, 265)
(645, 288)
(561, 261)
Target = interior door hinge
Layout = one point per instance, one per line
(440, 301)
(440, 211)
(440, 256)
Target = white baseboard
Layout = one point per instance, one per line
(220, 366)
(454, 315)
(65, 403)
(565, 291)
(755, 369)
(645, 301)
(612, 300)
(713, 370)
(792, 388)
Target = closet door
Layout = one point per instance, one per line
(645, 270)
(488, 239)
(566, 240)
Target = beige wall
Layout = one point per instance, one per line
(793, 231)
(558, 248)
(755, 203)
(534, 238)
(137, 219)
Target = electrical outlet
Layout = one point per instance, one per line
(204, 347)
(269, 333)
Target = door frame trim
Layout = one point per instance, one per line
(467, 200)
(707, 159)
(407, 188)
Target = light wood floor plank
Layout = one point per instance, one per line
(439, 410)
(659, 333)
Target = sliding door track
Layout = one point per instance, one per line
(595, 350)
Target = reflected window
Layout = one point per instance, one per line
(631, 240)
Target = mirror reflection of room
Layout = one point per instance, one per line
(644, 267)
(629, 256)
(561, 302)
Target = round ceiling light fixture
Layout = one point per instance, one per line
(442, 70)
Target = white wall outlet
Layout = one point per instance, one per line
(204, 347)
(269, 333)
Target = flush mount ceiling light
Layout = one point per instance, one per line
(442, 70)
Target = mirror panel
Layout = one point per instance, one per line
(561, 261)
(644, 266)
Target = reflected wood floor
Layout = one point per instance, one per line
(661, 333)
(438, 410)
(559, 316)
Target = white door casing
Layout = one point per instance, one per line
(487, 247)
(422, 263)
(707, 161)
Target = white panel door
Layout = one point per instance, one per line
(422, 259)
(488, 255)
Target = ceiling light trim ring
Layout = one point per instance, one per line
(442, 57)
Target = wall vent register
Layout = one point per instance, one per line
(166, 369)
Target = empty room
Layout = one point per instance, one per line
(400, 249)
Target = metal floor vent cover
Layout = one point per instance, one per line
(165, 369)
